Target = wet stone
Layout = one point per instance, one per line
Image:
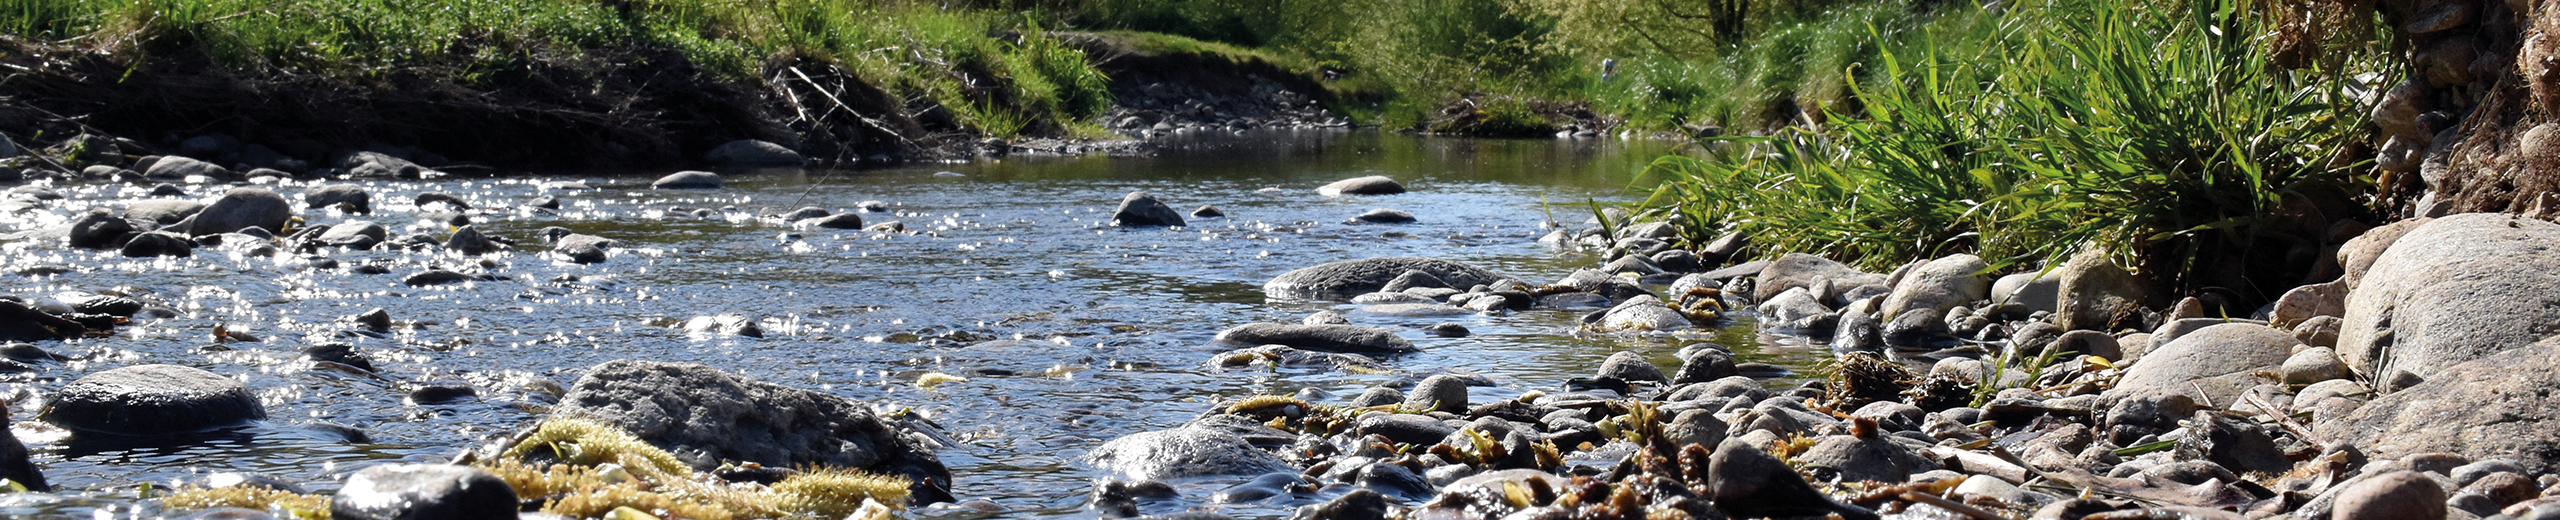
(688, 180)
(146, 400)
(422, 492)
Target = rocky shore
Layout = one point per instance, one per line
(2411, 386)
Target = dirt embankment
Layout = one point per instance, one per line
(631, 108)
(2476, 126)
(637, 107)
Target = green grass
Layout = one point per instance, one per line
(997, 72)
(2059, 125)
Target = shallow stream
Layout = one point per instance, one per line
(1011, 248)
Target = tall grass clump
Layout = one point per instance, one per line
(2154, 129)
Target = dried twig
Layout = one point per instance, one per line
(1951, 505)
(857, 115)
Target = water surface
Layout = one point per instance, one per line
(1015, 248)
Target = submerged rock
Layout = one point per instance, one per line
(1344, 280)
(836, 221)
(705, 416)
(1142, 209)
(149, 213)
(470, 241)
(99, 228)
(19, 322)
(355, 198)
(157, 244)
(355, 234)
(180, 167)
(1325, 338)
(144, 400)
(241, 208)
(688, 180)
(1188, 451)
(1370, 185)
(725, 324)
(1385, 216)
(583, 249)
(1643, 313)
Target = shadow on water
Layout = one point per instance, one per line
(1012, 248)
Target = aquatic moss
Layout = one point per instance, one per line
(604, 468)
(589, 442)
(836, 493)
(306, 507)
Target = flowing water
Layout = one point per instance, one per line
(1012, 248)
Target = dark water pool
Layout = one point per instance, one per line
(1012, 248)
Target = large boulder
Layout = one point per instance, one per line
(705, 416)
(1802, 270)
(1189, 451)
(2212, 365)
(1344, 280)
(241, 208)
(145, 400)
(2095, 294)
(1940, 284)
(180, 167)
(1370, 185)
(750, 152)
(1142, 209)
(1321, 338)
(423, 492)
(2497, 406)
(2453, 290)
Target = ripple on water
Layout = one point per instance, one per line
(1018, 248)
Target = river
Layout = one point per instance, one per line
(1005, 248)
